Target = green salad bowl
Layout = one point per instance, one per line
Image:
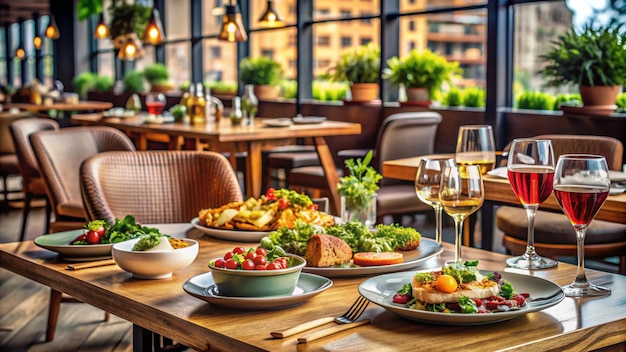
(258, 283)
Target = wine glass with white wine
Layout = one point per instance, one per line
(427, 182)
(475, 145)
(461, 193)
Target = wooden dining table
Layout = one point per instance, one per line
(163, 307)
(498, 191)
(250, 139)
(82, 105)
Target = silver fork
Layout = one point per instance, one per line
(351, 315)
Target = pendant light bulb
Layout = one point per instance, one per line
(232, 25)
(102, 31)
(37, 42)
(271, 17)
(154, 33)
(52, 31)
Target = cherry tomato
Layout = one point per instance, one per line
(228, 255)
(270, 194)
(231, 264)
(220, 263)
(79, 239)
(283, 203)
(274, 266)
(260, 267)
(446, 283)
(401, 298)
(282, 261)
(94, 237)
(251, 255)
(261, 251)
(313, 206)
(239, 250)
(260, 260)
(248, 265)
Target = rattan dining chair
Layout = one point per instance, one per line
(32, 182)
(59, 155)
(554, 235)
(401, 135)
(157, 186)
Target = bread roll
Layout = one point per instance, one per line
(327, 250)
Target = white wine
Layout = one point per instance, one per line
(484, 165)
(428, 195)
(461, 208)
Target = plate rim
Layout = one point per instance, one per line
(308, 120)
(460, 319)
(74, 252)
(223, 234)
(375, 270)
(259, 303)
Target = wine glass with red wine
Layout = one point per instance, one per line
(581, 185)
(530, 169)
(155, 102)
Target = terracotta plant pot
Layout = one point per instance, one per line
(417, 95)
(364, 92)
(266, 92)
(599, 95)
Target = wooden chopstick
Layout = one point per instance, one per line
(88, 265)
(332, 330)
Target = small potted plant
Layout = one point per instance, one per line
(361, 67)
(264, 74)
(593, 58)
(358, 191)
(421, 73)
(158, 76)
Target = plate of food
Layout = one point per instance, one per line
(308, 120)
(203, 287)
(252, 219)
(280, 122)
(95, 241)
(352, 249)
(487, 297)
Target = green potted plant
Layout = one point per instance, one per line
(421, 73)
(358, 191)
(158, 76)
(89, 81)
(134, 82)
(593, 58)
(264, 74)
(361, 67)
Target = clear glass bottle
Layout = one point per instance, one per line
(249, 104)
(236, 115)
(197, 106)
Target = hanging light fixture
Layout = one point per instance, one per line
(20, 53)
(131, 49)
(52, 31)
(102, 31)
(154, 31)
(37, 41)
(232, 25)
(271, 17)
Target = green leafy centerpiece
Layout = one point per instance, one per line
(358, 191)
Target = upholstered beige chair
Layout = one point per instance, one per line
(9, 164)
(157, 186)
(59, 156)
(32, 182)
(554, 235)
(401, 135)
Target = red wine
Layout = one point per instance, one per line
(155, 108)
(580, 203)
(531, 184)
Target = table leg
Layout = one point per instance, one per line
(486, 225)
(254, 172)
(142, 339)
(330, 170)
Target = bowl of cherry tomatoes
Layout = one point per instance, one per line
(256, 272)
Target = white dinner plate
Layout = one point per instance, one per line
(60, 243)
(281, 122)
(230, 235)
(308, 120)
(380, 290)
(427, 249)
(204, 288)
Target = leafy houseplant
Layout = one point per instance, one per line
(158, 76)
(424, 70)
(358, 190)
(361, 67)
(89, 81)
(590, 57)
(262, 72)
(134, 82)
(535, 101)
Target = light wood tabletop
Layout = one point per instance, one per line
(249, 139)
(83, 105)
(163, 307)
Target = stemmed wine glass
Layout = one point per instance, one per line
(461, 193)
(531, 171)
(581, 185)
(476, 146)
(427, 183)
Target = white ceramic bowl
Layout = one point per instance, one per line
(153, 264)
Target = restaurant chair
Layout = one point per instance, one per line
(554, 234)
(9, 163)
(32, 182)
(401, 135)
(59, 155)
(157, 186)
(284, 159)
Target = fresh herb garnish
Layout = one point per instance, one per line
(361, 184)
